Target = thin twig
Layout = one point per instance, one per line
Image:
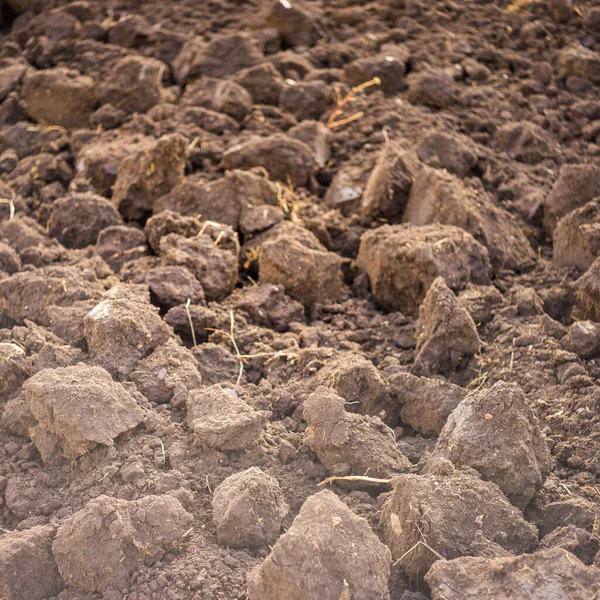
(354, 478)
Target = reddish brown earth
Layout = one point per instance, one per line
(225, 277)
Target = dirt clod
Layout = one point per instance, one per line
(316, 557)
(402, 261)
(350, 444)
(100, 546)
(446, 335)
(219, 419)
(28, 570)
(248, 509)
(77, 408)
(551, 571)
(501, 420)
(416, 521)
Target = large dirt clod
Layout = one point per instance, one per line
(455, 515)
(446, 335)
(543, 574)
(496, 433)
(438, 197)
(77, 408)
(402, 261)
(576, 185)
(248, 509)
(298, 261)
(149, 174)
(425, 404)
(576, 239)
(388, 187)
(122, 329)
(327, 554)
(27, 567)
(219, 419)
(350, 444)
(283, 157)
(60, 97)
(76, 220)
(134, 84)
(101, 545)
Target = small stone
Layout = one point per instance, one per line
(248, 509)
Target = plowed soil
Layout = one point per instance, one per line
(269, 243)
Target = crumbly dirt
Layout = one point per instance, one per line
(250, 245)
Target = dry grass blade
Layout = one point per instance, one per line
(351, 96)
(11, 203)
(517, 6)
(354, 478)
(189, 316)
(420, 543)
(235, 346)
(231, 336)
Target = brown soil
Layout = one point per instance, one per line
(250, 245)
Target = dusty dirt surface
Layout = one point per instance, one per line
(251, 246)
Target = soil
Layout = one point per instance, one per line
(252, 249)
